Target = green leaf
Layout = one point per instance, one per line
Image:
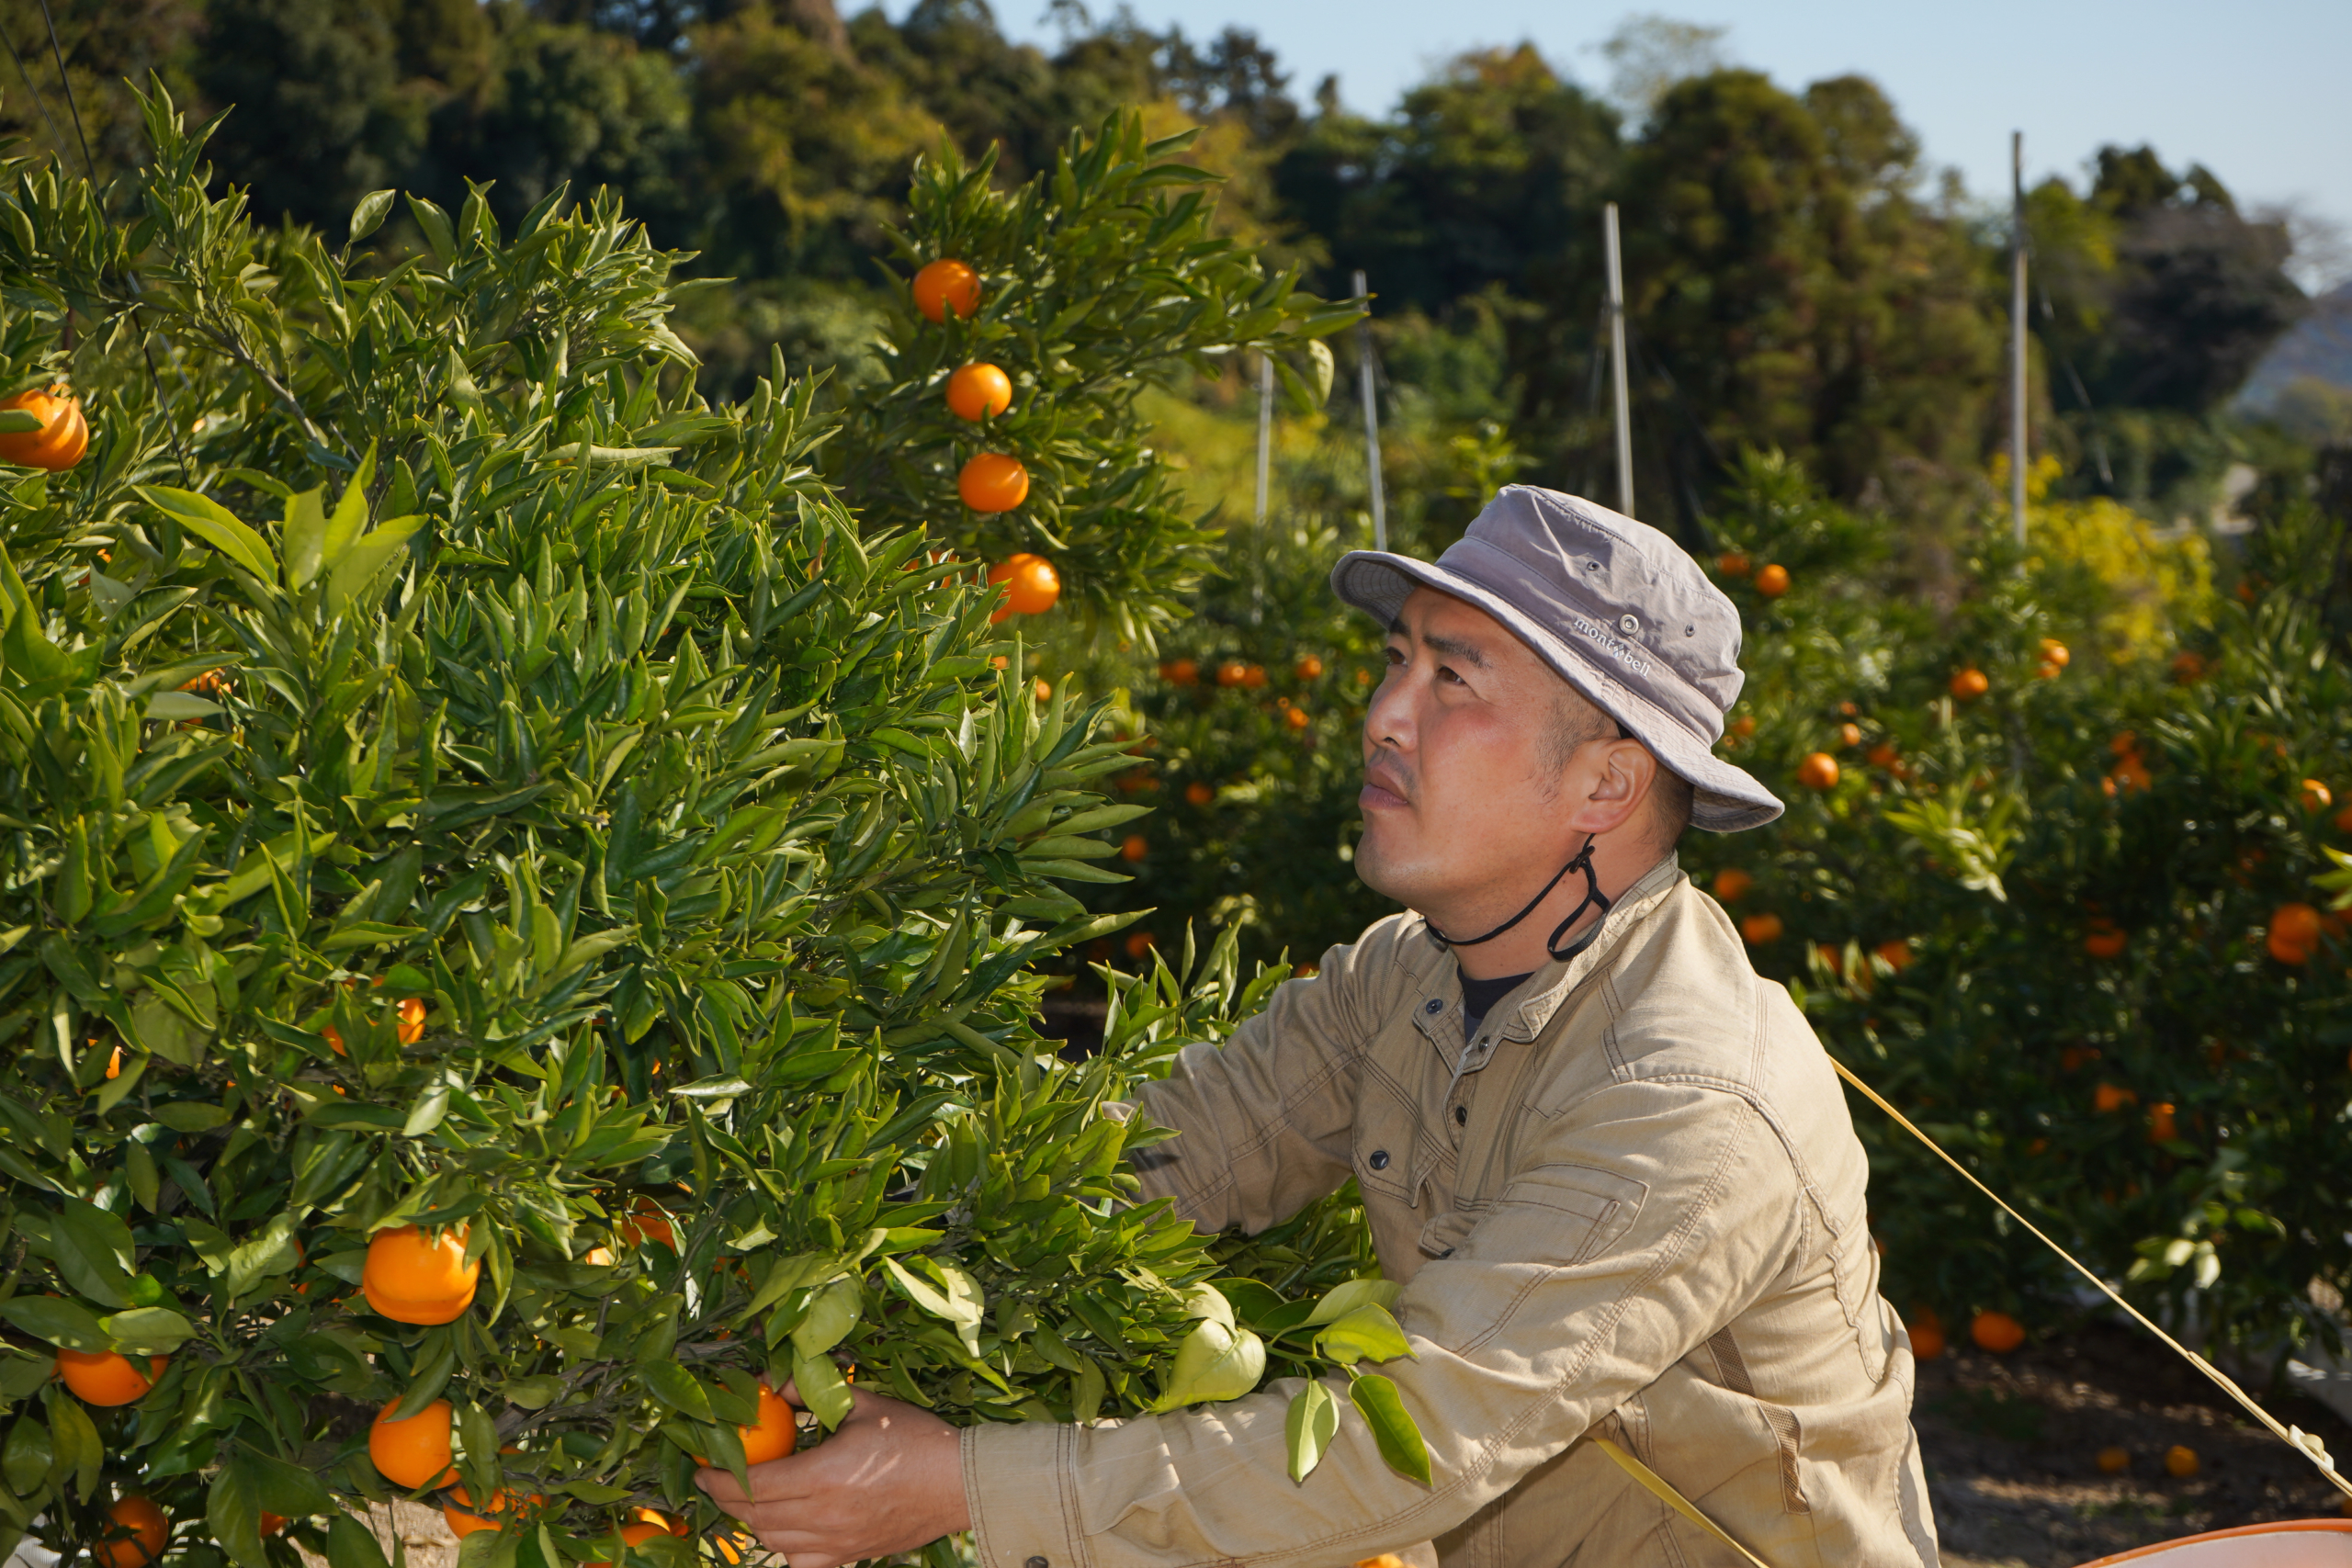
(1214, 1362)
(57, 1320)
(191, 1116)
(677, 1388)
(820, 1387)
(1344, 1298)
(1371, 1333)
(435, 224)
(270, 1252)
(170, 707)
(217, 526)
(351, 1544)
(25, 1459)
(304, 536)
(79, 1451)
(232, 1507)
(958, 1301)
(350, 576)
(148, 1331)
(831, 1315)
(365, 218)
(1392, 1427)
(1313, 1421)
(93, 1252)
(20, 422)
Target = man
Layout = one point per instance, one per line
(1611, 1167)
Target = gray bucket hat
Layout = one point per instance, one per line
(1619, 609)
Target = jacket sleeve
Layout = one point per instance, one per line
(1648, 1216)
(1263, 1124)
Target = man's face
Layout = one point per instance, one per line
(1462, 771)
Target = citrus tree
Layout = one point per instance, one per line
(522, 919)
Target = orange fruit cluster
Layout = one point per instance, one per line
(2054, 658)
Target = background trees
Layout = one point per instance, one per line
(1797, 278)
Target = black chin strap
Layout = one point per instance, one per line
(1592, 895)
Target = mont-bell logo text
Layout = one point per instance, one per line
(1623, 652)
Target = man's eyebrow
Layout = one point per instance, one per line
(1454, 647)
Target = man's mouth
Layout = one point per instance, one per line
(1381, 790)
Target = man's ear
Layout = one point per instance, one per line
(1620, 784)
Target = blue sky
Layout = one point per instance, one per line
(2255, 89)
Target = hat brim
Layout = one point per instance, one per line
(1725, 799)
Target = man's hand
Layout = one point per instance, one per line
(890, 1479)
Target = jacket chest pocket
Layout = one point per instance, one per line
(1385, 1130)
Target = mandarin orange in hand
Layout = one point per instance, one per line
(1032, 585)
(411, 1278)
(771, 1436)
(978, 391)
(108, 1377)
(991, 481)
(946, 285)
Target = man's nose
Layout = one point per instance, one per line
(1389, 720)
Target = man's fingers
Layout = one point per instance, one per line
(777, 1481)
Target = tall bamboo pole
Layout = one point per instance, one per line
(1370, 418)
(1617, 360)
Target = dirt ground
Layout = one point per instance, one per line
(2012, 1444)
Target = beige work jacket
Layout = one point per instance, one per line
(1632, 1207)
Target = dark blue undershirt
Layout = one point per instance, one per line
(1478, 1000)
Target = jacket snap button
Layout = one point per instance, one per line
(1036, 1563)
(1462, 1116)
(1433, 1006)
(1629, 624)
(1379, 1160)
